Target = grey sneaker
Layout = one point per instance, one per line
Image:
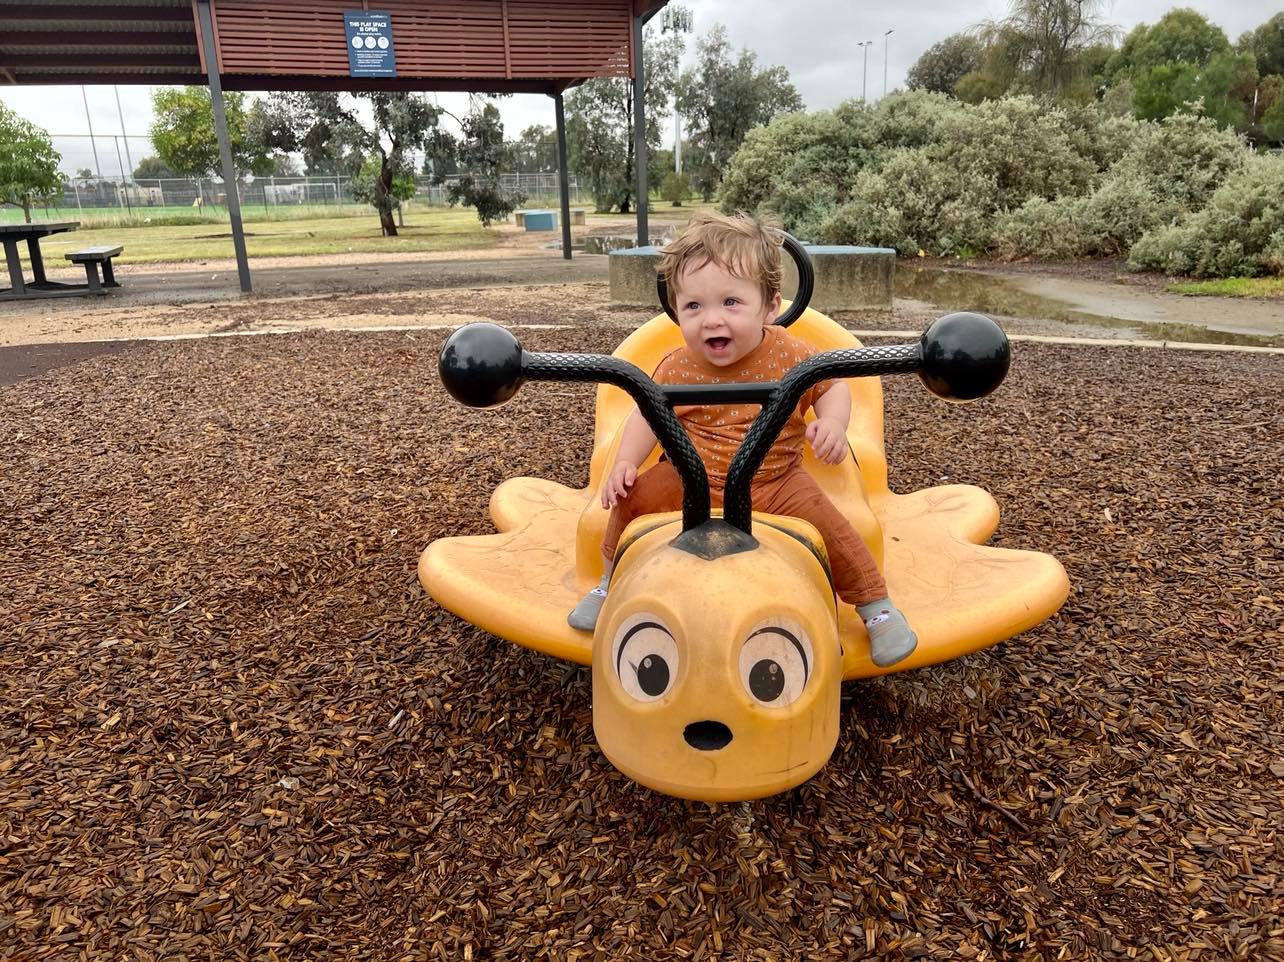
(584, 615)
(890, 637)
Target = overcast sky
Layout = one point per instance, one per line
(815, 39)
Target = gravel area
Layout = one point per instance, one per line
(233, 726)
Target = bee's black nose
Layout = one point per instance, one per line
(708, 736)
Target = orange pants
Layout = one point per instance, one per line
(795, 494)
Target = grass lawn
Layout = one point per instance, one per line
(427, 229)
(1233, 287)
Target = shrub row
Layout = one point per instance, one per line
(1017, 178)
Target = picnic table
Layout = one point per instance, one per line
(40, 286)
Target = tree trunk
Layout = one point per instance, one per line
(383, 199)
(26, 210)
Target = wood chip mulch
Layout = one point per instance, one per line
(233, 726)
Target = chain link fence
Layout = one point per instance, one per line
(100, 180)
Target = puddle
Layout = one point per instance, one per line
(604, 244)
(968, 291)
(228, 236)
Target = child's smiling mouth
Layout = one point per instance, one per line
(717, 345)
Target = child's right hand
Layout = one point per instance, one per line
(617, 485)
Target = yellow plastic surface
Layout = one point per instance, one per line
(715, 609)
(958, 594)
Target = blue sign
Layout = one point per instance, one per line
(370, 52)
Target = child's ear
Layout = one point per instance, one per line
(773, 306)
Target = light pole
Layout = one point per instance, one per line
(864, 73)
(885, 36)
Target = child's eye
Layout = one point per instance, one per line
(731, 302)
(693, 306)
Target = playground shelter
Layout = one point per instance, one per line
(481, 46)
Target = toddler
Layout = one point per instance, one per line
(723, 277)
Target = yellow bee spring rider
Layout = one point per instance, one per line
(719, 654)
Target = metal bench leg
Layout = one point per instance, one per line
(37, 262)
(15, 268)
(91, 273)
(109, 278)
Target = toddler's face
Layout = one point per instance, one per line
(721, 315)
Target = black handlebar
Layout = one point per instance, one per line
(960, 357)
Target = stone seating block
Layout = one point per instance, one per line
(632, 274)
(540, 220)
(847, 278)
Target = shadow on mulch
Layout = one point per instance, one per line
(234, 726)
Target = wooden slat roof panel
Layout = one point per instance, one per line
(432, 38)
(483, 45)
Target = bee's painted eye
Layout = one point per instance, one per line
(775, 663)
(646, 657)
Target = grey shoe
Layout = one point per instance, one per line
(890, 637)
(584, 615)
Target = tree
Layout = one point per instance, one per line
(599, 121)
(944, 64)
(1037, 47)
(482, 153)
(534, 151)
(184, 137)
(675, 188)
(723, 99)
(84, 173)
(1183, 63)
(327, 128)
(1266, 44)
(150, 168)
(1273, 121)
(28, 164)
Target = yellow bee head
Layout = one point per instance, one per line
(716, 662)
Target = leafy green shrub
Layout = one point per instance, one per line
(1181, 160)
(1239, 233)
(987, 160)
(800, 166)
(1042, 228)
(675, 188)
(1014, 176)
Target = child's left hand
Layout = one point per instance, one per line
(828, 439)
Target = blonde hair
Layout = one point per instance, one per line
(742, 245)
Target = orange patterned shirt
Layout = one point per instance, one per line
(718, 429)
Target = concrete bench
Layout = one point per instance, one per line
(539, 220)
(93, 258)
(847, 278)
(519, 216)
(579, 216)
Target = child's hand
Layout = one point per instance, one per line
(828, 439)
(617, 485)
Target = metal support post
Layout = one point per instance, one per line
(639, 133)
(224, 143)
(563, 178)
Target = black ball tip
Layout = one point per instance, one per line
(481, 365)
(965, 356)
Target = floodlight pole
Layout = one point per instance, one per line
(639, 133)
(224, 143)
(864, 69)
(885, 36)
(124, 136)
(98, 169)
(563, 177)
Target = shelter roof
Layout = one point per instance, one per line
(480, 45)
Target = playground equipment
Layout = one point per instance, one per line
(718, 656)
